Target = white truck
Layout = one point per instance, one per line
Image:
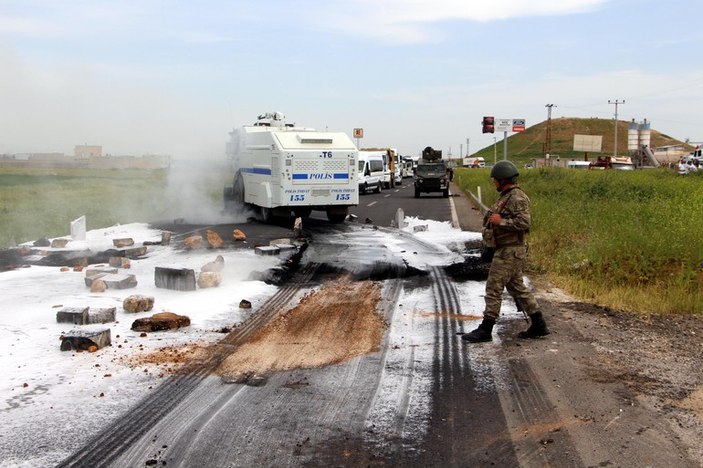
(283, 169)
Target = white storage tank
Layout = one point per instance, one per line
(633, 139)
(645, 133)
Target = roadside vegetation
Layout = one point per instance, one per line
(36, 202)
(627, 240)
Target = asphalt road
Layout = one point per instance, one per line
(423, 399)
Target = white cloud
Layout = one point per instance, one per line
(414, 21)
(32, 27)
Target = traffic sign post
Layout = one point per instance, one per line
(358, 133)
(505, 126)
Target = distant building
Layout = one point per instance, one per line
(87, 151)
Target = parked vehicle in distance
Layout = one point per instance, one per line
(370, 172)
(407, 167)
(475, 162)
(623, 163)
(578, 164)
(397, 167)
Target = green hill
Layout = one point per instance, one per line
(523, 147)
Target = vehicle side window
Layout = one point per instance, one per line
(376, 165)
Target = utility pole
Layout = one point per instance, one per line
(468, 153)
(616, 102)
(548, 143)
(495, 151)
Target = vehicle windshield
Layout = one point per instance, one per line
(361, 165)
(376, 165)
(424, 169)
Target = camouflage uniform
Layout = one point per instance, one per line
(510, 253)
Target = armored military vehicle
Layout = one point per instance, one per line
(431, 173)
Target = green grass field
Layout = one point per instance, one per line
(627, 240)
(43, 201)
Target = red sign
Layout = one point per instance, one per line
(358, 133)
(518, 125)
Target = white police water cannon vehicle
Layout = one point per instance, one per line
(284, 169)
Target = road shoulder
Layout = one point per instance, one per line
(620, 389)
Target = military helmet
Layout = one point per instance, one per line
(504, 170)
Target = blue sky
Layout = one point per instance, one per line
(173, 77)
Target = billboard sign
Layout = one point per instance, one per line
(588, 143)
(504, 125)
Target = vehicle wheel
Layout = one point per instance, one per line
(337, 214)
(399, 183)
(238, 188)
(445, 194)
(417, 193)
(302, 212)
(365, 190)
(267, 214)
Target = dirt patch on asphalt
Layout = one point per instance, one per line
(330, 325)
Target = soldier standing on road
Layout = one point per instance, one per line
(505, 229)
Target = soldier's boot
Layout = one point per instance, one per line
(538, 327)
(482, 333)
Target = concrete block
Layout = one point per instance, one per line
(89, 280)
(120, 281)
(125, 242)
(102, 314)
(78, 229)
(100, 270)
(85, 340)
(285, 248)
(165, 237)
(267, 250)
(179, 279)
(119, 262)
(134, 252)
(74, 315)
